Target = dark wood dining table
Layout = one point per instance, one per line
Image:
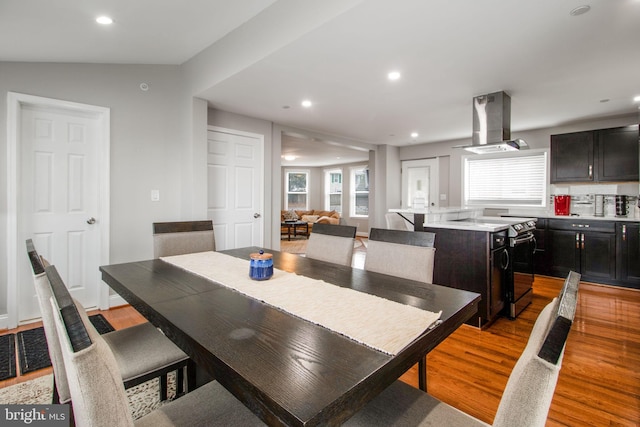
(287, 370)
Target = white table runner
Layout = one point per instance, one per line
(382, 324)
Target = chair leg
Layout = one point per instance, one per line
(422, 374)
(163, 387)
(191, 375)
(180, 381)
(55, 399)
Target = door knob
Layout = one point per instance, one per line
(256, 215)
(91, 220)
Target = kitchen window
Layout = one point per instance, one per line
(333, 190)
(360, 191)
(296, 188)
(506, 180)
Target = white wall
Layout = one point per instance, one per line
(148, 133)
(535, 139)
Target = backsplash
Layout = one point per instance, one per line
(583, 197)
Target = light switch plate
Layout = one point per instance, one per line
(155, 195)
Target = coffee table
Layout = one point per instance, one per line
(295, 225)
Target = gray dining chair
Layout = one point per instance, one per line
(182, 237)
(332, 243)
(97, 392)
(401, 253)
(396, 222)
(143, 352)
(527, 396)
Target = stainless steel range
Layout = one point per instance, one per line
(518, 281)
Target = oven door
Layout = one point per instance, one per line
(522, 251)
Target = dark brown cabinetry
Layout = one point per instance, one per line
(474, 261)
(587, 247)
(603, 155)
(628, 254)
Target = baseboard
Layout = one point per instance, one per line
(4, 321)
(116, 300)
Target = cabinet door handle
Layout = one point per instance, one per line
(577, 240)
(590, 171)
(624, 232)
(582, 241)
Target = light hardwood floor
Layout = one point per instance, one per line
(599, 382)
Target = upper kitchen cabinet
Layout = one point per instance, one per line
(605, 155)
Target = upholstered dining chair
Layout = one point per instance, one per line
(143, 353)
(396, 222)
(401, 253)
(527, 396)
(332, 243)
(182, 237)
(98, 395)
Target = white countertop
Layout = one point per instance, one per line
(490, 224)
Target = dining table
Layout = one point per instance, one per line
(310, 346)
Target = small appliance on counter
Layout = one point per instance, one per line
(621, 206)
(562, 204)
(599, 208)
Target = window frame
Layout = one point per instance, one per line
(354, 193)
(287, 173)
(327, 189)
(534, 198)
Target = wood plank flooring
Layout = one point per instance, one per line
(599, 382)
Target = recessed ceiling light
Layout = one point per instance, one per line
(414, 134)
(580, 10)
(394, 75)
(104, 20)
(306, 103)
(636, 98)
(289, 157)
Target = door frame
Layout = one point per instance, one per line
(15, 103)
(261, 190)
(434, 180)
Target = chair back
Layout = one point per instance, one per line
(95, 383)
(44, 294)
(396, 222)
(332, 243)
(182, 237)
(529, 391)
(406, 254)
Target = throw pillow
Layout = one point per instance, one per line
(290, 215)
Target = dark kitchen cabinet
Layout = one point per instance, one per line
(587, 247)
(541, 254)
(628, 254)
(603, 155)
(473, 261)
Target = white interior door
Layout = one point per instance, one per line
(420, 181)
(58, 190)
(235, 188)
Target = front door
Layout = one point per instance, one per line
(235, 187)
(58, 206)
(420, 184)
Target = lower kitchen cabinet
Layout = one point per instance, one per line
(628, 254)
(606, 252)
(587, 247)
(473, 261)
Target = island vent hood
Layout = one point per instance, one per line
(492, 125)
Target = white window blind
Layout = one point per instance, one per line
(508, 180)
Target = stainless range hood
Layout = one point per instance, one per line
(492, 125)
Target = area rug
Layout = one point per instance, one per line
(143, 398)
(33, 353)
(7, 356)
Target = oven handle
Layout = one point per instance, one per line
(524, 239)
(505, 260)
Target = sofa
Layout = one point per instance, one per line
(310, 217)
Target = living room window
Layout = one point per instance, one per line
(333, 190)
(518, 179)
(296, 188)
(360, 191)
